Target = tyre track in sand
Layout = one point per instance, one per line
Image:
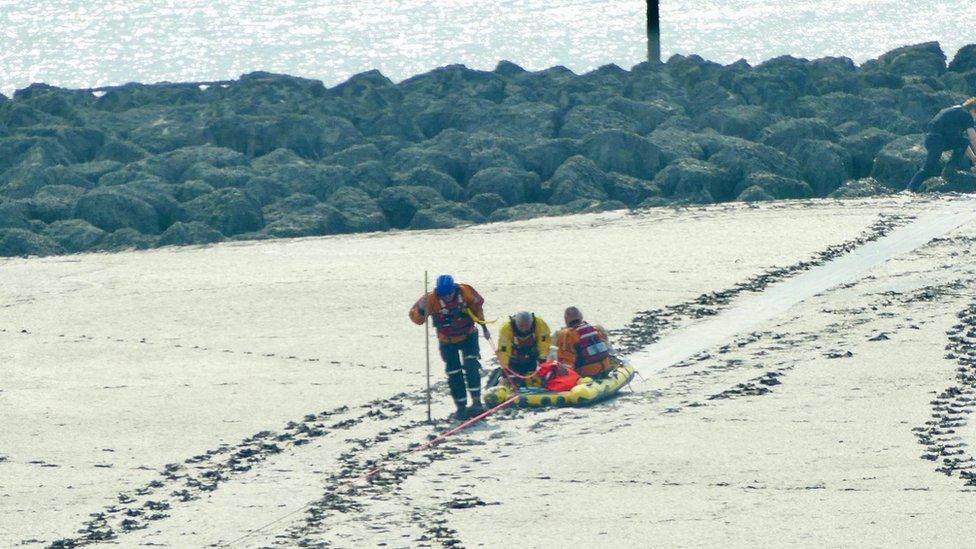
(334, 510)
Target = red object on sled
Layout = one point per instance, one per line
(556, 376)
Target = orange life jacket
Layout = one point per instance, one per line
(591, 348)
(451, 317)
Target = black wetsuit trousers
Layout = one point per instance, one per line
(935, 145)
(461, 361)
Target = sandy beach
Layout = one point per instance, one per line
(201, 396)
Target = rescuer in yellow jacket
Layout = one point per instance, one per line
(455, 310)
(522, 342)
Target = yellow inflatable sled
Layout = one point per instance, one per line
(587, 391)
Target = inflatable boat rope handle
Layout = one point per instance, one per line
(478, 320)
(507, 372)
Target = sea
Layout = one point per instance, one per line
(87, 43)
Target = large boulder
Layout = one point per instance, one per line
(832, 74)
(866, 110)
(23, 181)
(164, 129)
(486, 203)
(74, 235)
(359, 212)
(110, 209)
(775, 186)
(456, 80)
(314, 179)
(33, 152)
(545, 156)
(647, 83)
(426, 176)
(230, 211)
(741, 157)
(172, 166)
(863, 146)
(81, 143)
(118, 150)
(897, 162)
(647, 114)
(125, 239)
(745, 121)
(630, 190)
(696, 181)
(400, 204)
(772, 89)
(623, 152)
(785, 135)
(410, 158)
(824, 165)
(370, 177)
(583, 120)
(188, 190)
(926, 59)
(523, 212)
(23, 243)
(158, 195)
(754, 193)
(690, 70)
(860, 188)
(15, 215)
(54, 202)
(513, 185)
(920, 103)
(577, 178)
(357, 154)
(462, 114)
(445, 216)
(93, 171)
(964, 60)
(236, 176)
(301, 215)
(187, 234)
(951, 182)
(309, 137)
(522, 121)
(677, 143)
(127, 174)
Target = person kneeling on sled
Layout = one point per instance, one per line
(454, 308)
(583, 346)
(522, 343)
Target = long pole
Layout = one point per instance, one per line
(427, 348)
(654, 31)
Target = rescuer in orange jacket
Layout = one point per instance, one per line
(583, 346)
(455, 310)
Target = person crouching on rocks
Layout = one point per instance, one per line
(583, 346)
(522, 342)
(455, 308)
(952, 129)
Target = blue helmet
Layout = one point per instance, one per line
(445, 285)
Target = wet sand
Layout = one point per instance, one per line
(266, 373)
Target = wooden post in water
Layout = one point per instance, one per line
(654, 31)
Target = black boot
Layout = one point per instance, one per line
(460, 415)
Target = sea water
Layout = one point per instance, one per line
(85, 43)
